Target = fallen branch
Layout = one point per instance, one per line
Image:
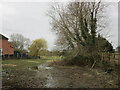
(93, 65)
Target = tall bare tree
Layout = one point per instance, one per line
(76, 24)
(19, 42)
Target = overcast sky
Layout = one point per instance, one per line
(30, 20)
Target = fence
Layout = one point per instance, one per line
(112, 58)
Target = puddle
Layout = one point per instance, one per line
(45, 72)
(44, 66)
(55, 77)
(50, 81)
(66, 77)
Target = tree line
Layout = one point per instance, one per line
(23, 45)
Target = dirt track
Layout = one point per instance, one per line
(61, 77)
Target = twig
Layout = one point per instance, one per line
(93, 65)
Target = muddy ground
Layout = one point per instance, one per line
(60, 77)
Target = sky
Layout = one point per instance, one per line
(30, 19)
(118, 23)
(111, 30)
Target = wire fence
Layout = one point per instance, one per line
(112, 58)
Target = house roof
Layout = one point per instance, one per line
(3, 37)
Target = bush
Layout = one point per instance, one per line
(81, 60)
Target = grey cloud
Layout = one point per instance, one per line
(30, 20)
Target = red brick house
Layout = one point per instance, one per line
(5, 46)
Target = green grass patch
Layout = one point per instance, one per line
(22, 69)
(21, 64)
(51, 57)
(26, 63)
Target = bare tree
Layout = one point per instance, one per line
(76, 23)
(19, 42)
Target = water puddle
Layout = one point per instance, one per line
(66, 77)
(44, 66)
(45, 72)
(55, 77)
(50, 81)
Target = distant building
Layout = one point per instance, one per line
(5, 46)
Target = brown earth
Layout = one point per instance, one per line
(60, 77)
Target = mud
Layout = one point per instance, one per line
(60, 77)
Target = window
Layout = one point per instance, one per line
(0, 51)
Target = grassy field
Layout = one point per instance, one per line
(26, 63)
(20, 64)
(20, 69)
(10, 66)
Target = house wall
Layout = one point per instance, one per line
(6, 47)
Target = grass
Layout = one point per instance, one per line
(23, 65)
(26, 63)
(21, 69)
(20, 64)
